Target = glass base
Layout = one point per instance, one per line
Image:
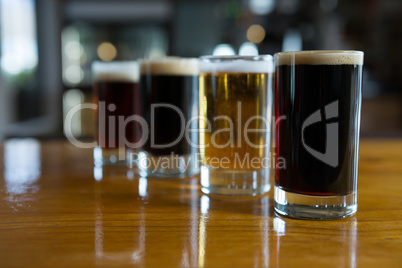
(232, 182)
(111, 157)
(314, 207)
(167, 166)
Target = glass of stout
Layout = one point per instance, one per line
(169, 87)
(318, 103)
(117, 98)
(235, 110)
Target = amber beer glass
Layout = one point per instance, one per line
(235, 116)
(318, 102)
(117, 97)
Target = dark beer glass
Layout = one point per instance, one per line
(235, 109)
(170, 89)
(318, 102)
(116, 95)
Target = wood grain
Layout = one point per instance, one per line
(64, 217)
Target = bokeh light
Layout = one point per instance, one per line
(255, 33)
(248, 49)
(107, 51)
(224, 50)
(262, 7)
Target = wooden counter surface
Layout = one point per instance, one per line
(57, 210)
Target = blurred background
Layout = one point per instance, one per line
(47, 47)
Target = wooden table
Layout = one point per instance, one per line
(57, 210)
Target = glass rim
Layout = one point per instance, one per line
(212, 58)
(318, 57)
(319, 52)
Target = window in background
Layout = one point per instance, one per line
(19, 58)
(18, 37)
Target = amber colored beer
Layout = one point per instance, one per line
(235, 115)
(230, 100)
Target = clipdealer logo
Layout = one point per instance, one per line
(247, 142)
(330, 156)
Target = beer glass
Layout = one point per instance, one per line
(318, 102)
(170, 90)
(117, 98)
(235, 116)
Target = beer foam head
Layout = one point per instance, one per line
(237, 64)
(119, 71)
(171, 66)
(320, 57)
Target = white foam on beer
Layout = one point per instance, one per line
(171, 66)
(320, 57)
(118, 71)
(257, 64)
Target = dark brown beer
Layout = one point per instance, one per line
(126, 98)
(170, 90)
(116, 94)
(308, 90)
